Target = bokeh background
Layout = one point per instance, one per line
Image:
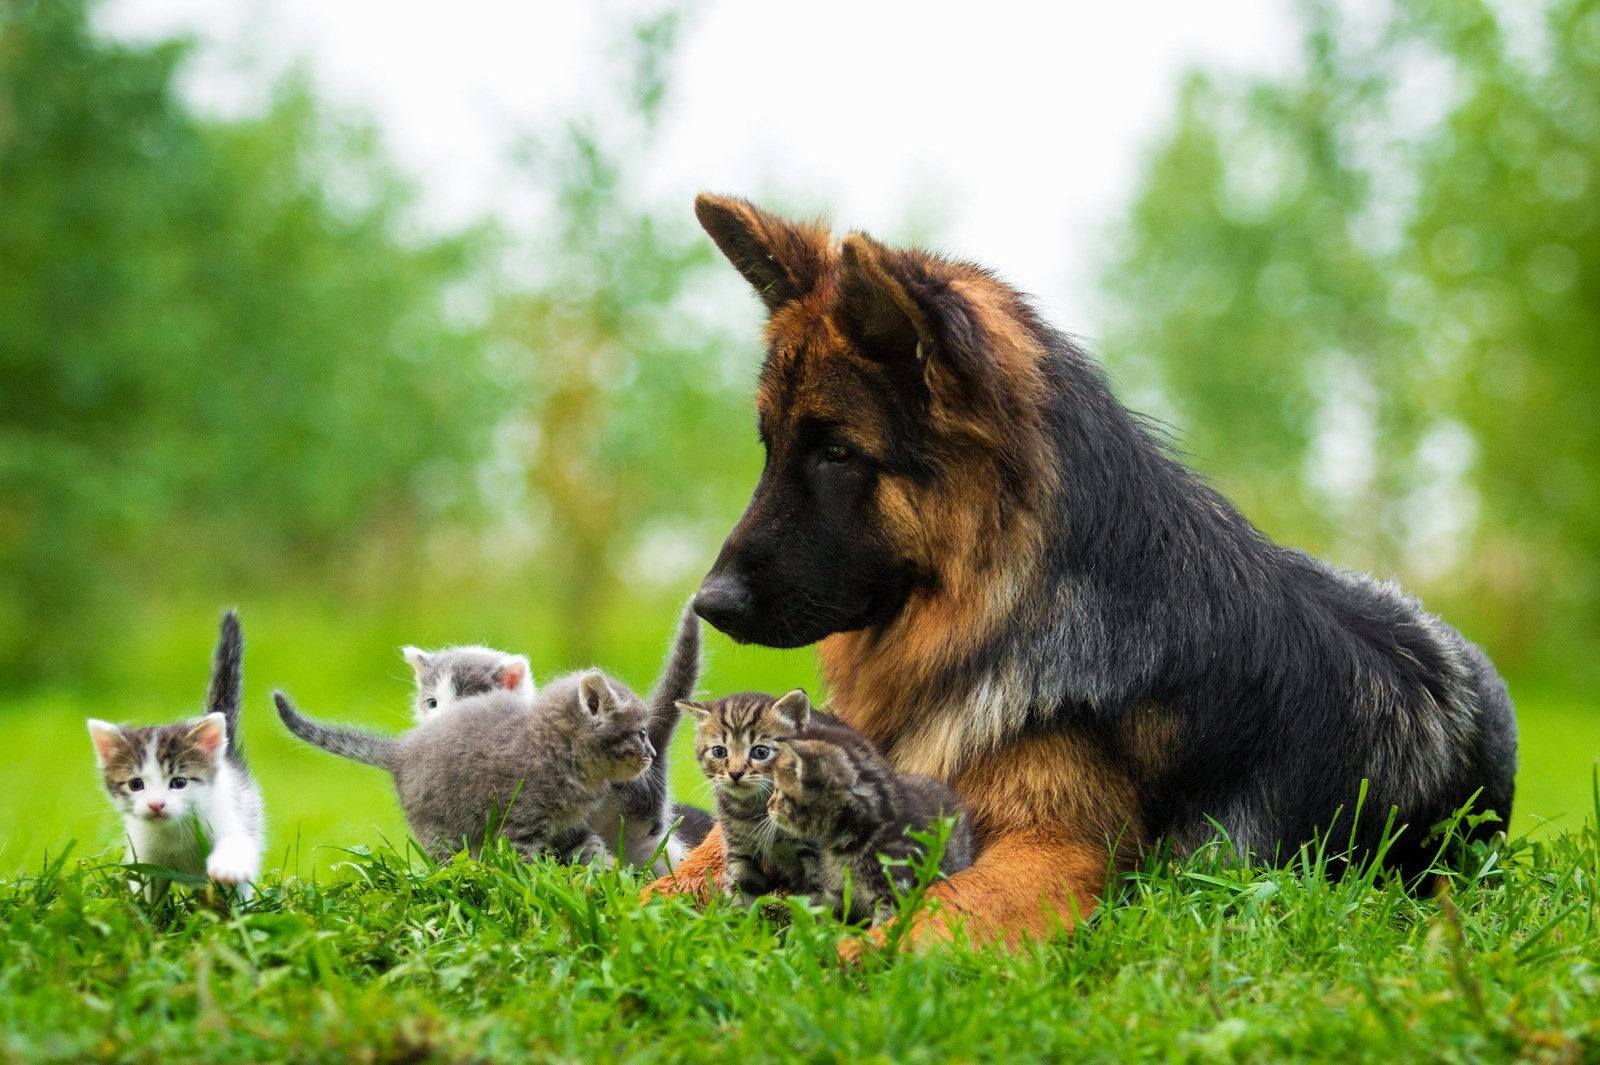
(391, 325)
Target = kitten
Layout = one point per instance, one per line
(181, 787)
(852, 803)
(736, 740)
(494, 764)
(446, 676)
(641, 812)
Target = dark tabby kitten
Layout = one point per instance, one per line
(492, 763)
(736, 740)
(852, 803)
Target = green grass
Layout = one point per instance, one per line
(390, 960)
(354, 953)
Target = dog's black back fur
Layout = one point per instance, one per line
(1289, 680)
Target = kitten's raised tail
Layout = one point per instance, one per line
(677, 681)
(363, 747)
(225, 693)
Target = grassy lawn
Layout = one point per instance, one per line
(387, 960)
(353, 952)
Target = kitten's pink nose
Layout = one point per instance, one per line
(156, 807)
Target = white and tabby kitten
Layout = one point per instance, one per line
(186, 797)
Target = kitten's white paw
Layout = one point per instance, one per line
(233, 861)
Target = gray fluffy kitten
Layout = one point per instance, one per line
(860, 811)
(495, 765)
(635, 808)
(641, 812)
(186, 797)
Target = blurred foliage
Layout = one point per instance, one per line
(221, 356)
(1368, 295)
(625, 413)
(230, 363)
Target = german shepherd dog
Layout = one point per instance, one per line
(1021, 592)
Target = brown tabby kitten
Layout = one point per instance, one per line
(859, 811)
(736, 740)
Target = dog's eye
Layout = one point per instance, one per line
(837, 454)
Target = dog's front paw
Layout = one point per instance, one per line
(233, 862)
(660, 888)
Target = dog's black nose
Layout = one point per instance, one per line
(723, 600)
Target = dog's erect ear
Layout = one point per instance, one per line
(782, 260)
(917, 314)
(888, 295)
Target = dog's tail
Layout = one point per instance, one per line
(225, 692)
(380, 751)
(677, 681)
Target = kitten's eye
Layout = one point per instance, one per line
(719, 751)
(432, 703)
(135, 784)
(837, 454)
(760, 751)
(178, 783)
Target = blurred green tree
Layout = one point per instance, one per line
(1367, 295)
(222, 350)
(629, 380)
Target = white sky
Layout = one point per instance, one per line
(1019, 126)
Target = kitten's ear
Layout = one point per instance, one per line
(787, 764)
(513, 673)
(700, 712)
(595, 695)
(420, 660)
(106, 737)
(794, 708)
(210, 735)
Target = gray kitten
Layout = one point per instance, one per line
(446, 676)
(850, 800)
(635, 816)
(638, 810)
(186, 797)
(495, 765)
(641, 812)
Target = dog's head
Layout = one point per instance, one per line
(899, 405)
